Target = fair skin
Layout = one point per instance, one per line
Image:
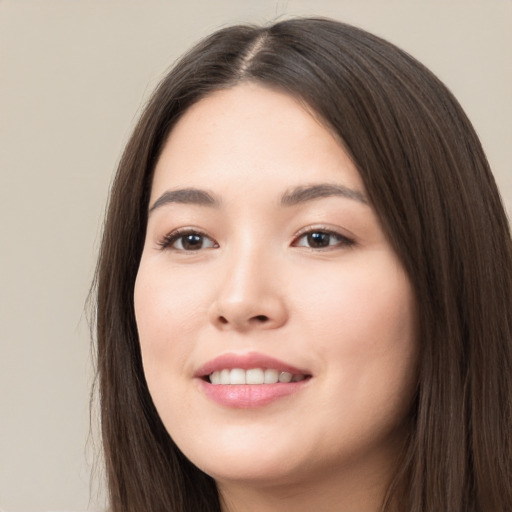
(280, 263)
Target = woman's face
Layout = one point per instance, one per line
(263, 263)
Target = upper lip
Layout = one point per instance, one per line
(246, 362)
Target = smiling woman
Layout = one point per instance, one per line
(272, 282)
(304, 287)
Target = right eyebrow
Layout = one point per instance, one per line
(185, 196)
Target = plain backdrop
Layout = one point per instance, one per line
(73, 77)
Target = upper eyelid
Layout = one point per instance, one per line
(313, 229)
(325, 229)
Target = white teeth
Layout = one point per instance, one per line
(285, 377)
(271, 376)
(224, 377)
(253, 376)
(237, 376)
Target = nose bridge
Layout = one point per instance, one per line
(248, 294)
(247, 270)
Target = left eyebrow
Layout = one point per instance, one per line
(310, 192)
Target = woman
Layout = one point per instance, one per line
(304, 287)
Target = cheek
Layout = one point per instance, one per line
(165, 309)
(363, 322)
(160, 314)
(369, 302)
(165, 321)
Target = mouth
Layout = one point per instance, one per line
(250, 380)
(253, 376)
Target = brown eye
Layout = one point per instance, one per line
(319, 239)
(322, 239)
(188, 241)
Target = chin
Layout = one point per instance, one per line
(247, 459)
(257, 472)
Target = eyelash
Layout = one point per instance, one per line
(343, 241)
(170, 239)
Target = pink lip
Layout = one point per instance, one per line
(246, 362)
(249, 396)
(245, 396)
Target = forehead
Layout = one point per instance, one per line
(247, 133)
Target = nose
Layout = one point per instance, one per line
(249, 296)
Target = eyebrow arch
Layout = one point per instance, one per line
(186, 196)
(310, 192)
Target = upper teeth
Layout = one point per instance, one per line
(253, 376)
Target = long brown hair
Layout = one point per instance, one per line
(429, 181)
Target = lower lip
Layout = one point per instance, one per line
(247, 396)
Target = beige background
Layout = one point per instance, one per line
(73, 76)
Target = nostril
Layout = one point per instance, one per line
(260, 318)
(222, 320)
